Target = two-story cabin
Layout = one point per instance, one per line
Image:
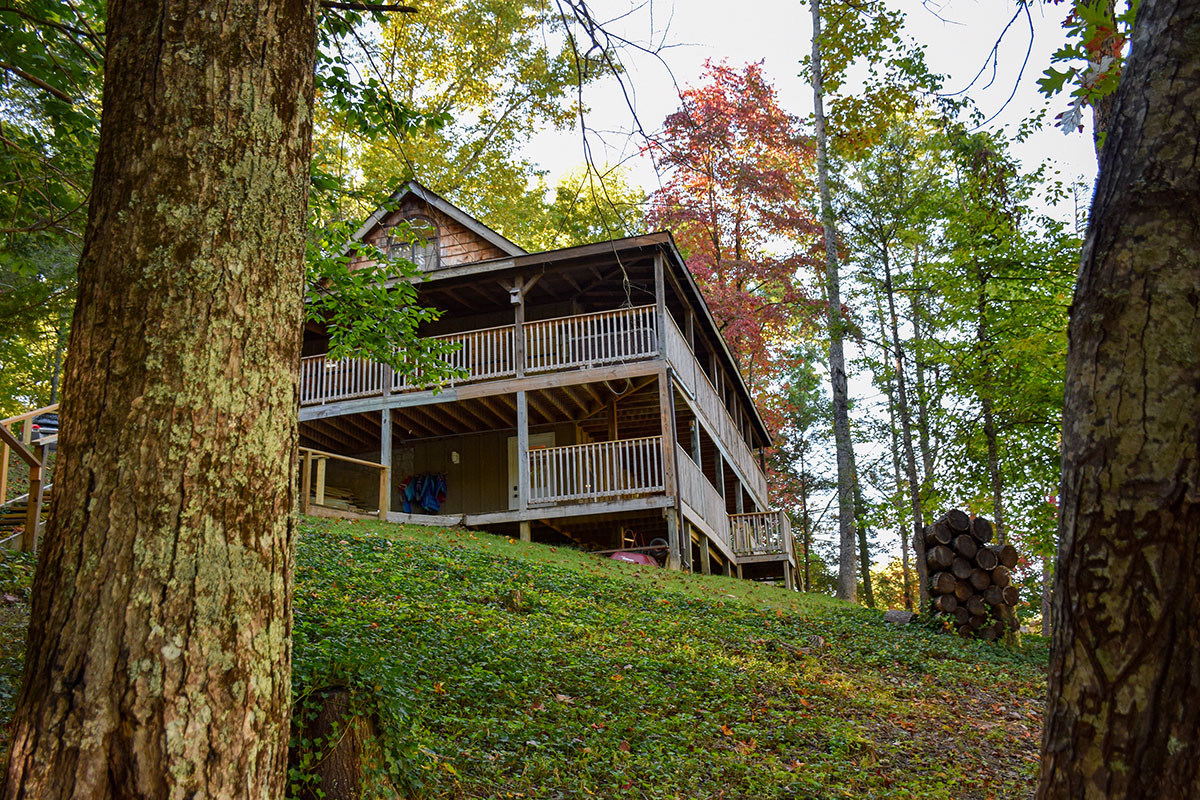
(599, 402)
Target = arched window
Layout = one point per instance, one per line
(415, 239)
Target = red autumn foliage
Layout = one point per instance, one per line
(736, 198)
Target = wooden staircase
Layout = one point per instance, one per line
(14, 514)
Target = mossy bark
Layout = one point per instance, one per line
(158, 659)
(1123, 720)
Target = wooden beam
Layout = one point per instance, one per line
(522, 453)
(33, 509)
(305, 481)
(705, 556)
(589, 509)
(675, 545)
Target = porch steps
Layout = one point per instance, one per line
(553, 525)
(12, 513)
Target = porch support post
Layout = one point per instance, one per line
(787, 576)
(660, 302)
(385, 437)
(522, 456)
(526, 531)
(705, 556)
(666, 407)
(517, 296)
(695, 430)
(33, 512)
(741, 498)
(721, 477)
(690, 333)
(674, 549)
(305, 480)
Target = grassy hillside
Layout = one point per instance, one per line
(531, 671)
(502, 670)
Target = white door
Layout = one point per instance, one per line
(536, 442)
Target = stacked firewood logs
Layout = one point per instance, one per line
(970, 583)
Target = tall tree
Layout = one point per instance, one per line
(837, 355)
(158, 659)
(1125, 665)
(735, 188)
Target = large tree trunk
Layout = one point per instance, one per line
(837, 359)
(1123, 720)
(159, 654)
(906, 437)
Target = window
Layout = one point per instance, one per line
(414, 240)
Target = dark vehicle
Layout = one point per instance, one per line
(45, 425)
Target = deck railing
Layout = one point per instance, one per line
(761, 533)
(701, 497)
(480, 355)
(606, 337)
(715, 414)
(596, 470)
(325, 381)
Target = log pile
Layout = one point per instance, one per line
(970, 583)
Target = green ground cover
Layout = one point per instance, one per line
(503, 670)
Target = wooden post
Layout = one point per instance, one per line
(739, 571)
(720, 464)
(522, 453)
(526, 531)
(517, 297)
(696, 454)
(705, 556)
(613, 430)
(305, 480)
(385, 492)
(690, 330)
(741, 498)
(5, 453)
(660, 302)
(787, 576)
(674, 549)
(319, 498)
(33, 512)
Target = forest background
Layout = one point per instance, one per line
(959, 237)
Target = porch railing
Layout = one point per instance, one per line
(325, 381)
(480, 355)
(761, 533)
(596, 470)
(697, 491)
(606, 337)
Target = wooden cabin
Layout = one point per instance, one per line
(597, 404)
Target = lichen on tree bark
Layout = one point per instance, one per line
(159, 656)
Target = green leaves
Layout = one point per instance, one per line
(495, 697)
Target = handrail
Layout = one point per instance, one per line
(7, 423)
(761, 533)
(721, 424)
(36, 466)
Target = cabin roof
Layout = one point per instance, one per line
(441, 204)
(517, 258)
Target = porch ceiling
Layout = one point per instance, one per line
(586, 404)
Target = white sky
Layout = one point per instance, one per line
(778, 32)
